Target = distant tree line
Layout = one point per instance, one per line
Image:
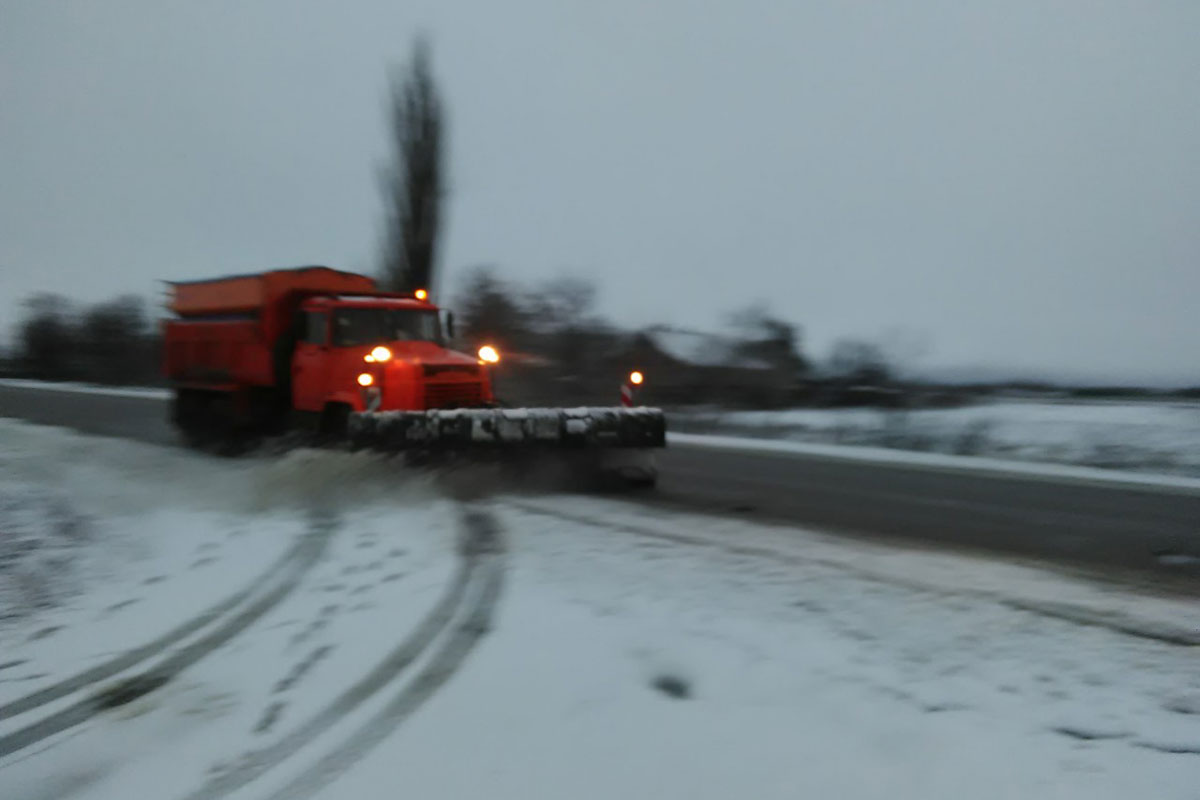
(112, 342)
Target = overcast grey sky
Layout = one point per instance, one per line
(1016, 182)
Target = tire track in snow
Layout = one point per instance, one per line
(254, 764)
(481, 549)
(309, 551)
(131, 658)
(442, 665)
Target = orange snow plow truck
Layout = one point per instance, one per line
(322, 350)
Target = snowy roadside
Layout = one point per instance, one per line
(632, 665)
(101, 535)
(1168, 618)
(631, 652)
(1154, 437)
(172, 536)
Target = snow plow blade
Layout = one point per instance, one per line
(466, 428)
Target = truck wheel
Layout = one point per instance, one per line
(189, 412)
(206, 422)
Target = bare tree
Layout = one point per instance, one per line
(46, 338)
(859, 361)
(413, 184)
(561, 304)
(114, 342)
(491, 311)
(108, 342)
(768, 338)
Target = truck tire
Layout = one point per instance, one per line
(206, 421)
(192, 415)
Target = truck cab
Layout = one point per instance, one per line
(380, 353)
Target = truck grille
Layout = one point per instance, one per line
(452, 369)
(453, 395)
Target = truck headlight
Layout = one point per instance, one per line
(365, 379)
(489, 354)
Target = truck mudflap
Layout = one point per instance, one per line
(464, 428)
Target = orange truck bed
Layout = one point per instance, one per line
(250, 293)
(225, 329)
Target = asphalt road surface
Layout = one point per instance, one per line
(1149, 531)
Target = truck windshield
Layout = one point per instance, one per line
(359, 326)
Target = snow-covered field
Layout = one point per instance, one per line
(370, 638)
(1147, 436)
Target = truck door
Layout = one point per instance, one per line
(310, 364)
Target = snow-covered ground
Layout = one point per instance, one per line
(1160, 437)
(385, 641)
(822, 671)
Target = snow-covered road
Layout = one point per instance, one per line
(549, 646)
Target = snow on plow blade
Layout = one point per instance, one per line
(508, 427)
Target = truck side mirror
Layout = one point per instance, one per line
(450, 324)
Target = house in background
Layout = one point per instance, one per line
(682, 367)
(688, 367)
